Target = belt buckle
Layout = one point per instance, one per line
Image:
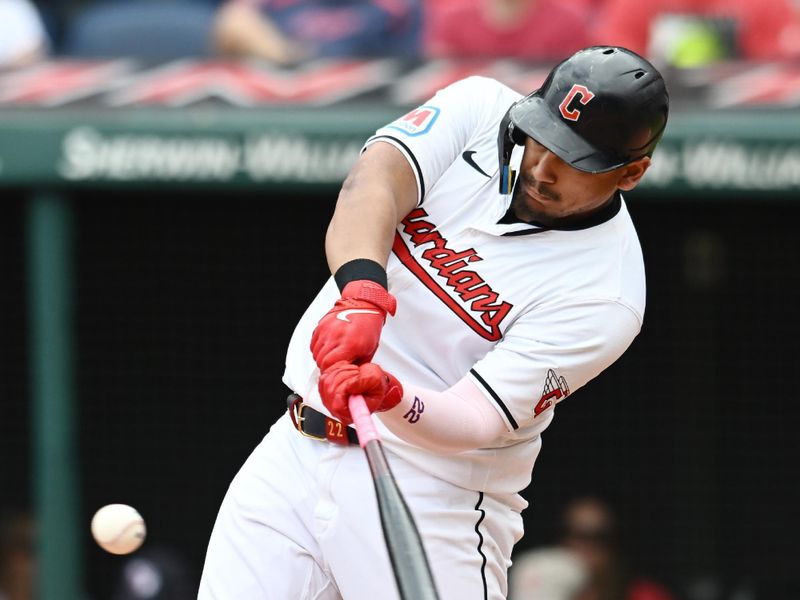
(296, 413)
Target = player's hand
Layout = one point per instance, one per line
(351, 330)
(341, 380)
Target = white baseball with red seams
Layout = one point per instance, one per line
(530, 314)
(118, 528)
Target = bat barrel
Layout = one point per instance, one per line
(411, 568)
(410, 564)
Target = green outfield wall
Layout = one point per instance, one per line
(703, 154)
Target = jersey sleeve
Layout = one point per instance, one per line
(433, 135)
(549, 353)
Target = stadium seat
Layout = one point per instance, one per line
(146, 29)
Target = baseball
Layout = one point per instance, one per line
(118, 528)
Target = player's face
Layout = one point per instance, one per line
(552, 192)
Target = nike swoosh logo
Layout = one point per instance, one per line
(342, 316)
(467, 156)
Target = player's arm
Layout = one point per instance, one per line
(455, 420)
(448, 422)
(379, 192)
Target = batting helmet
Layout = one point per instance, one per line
(599, 109)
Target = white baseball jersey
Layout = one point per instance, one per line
(530, 313)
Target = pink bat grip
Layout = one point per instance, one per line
(362, 420)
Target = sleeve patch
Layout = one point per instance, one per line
(417, 122)
(555, 390)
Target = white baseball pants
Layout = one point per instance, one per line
(300, 522)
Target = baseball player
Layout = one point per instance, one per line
(485, 266)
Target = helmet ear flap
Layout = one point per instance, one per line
(508, 137)
(517, 136)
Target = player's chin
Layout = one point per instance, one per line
(546, 213)
(535, 210)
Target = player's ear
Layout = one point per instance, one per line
(631, 173)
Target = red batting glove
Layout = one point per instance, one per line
(381, 390)
(350, 331)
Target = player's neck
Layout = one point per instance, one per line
(596, 216)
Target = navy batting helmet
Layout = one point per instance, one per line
(599, 109)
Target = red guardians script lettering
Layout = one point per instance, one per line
(486, 310)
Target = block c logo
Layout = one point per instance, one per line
(584, 96)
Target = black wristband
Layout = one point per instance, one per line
(358, 269)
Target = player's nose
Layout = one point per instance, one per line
(544, 165)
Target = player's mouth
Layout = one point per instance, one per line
(537, 195)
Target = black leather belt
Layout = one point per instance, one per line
(312, 423)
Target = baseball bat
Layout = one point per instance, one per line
(409, 561)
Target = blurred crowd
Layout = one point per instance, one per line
(17, 555)
(680, 33)
(586, 561)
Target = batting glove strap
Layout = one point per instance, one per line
(371, 292)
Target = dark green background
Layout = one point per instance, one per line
(188, 283)
(185, 303)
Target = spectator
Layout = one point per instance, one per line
(17, 558)
(151, 30)
(547, 574)
(590, 531)
(523, 29)
(688, 33)
(588, 534)
(290, 31)
(22, 35)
